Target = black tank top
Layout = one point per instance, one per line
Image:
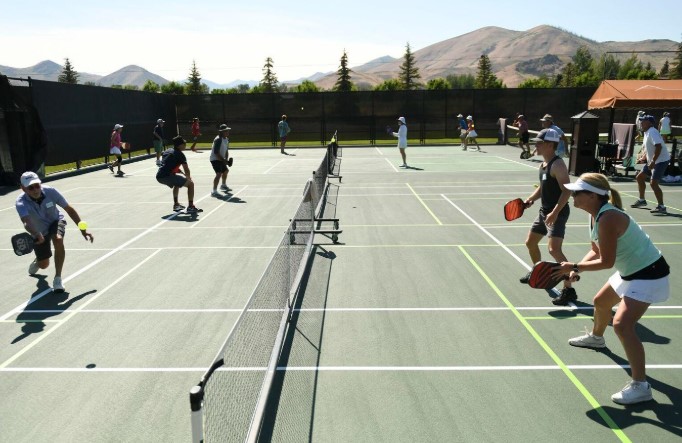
(550, 190)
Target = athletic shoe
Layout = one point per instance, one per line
(111, 168)
(567, 295)
(588, 341)
(193, 209)
(639, 203)
(33, 267)
(178, 207)
(57, 285)
(525, 279)
(464, 148)
(215, 194)
(224, 187)
(120, 173)
(158, 163)
(660, 209)
(403, 166)
(633, 392)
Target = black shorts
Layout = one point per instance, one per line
(173, 180)
(219, 166)
(43, 251)
(524, 137)
(559, 228)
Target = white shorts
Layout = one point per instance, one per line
(114, 150)
(646, 291)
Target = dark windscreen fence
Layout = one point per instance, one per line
(23, 142)
(79, 119)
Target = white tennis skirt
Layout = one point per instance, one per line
(115, 150)
(646, 291)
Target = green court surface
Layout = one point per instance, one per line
(413, 327)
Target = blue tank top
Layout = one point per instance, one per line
(634, 249)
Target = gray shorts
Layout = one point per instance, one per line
(173, 180)
(558, 230)
(659, 170)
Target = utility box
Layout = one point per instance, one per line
(584, 144)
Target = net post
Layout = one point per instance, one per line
(196, 398)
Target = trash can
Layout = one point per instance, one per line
(584, 144)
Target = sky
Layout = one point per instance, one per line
(230, 40)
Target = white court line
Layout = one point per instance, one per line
(71, 314)
(389, 162)
(348, 368)
(485, 231)
(90, 265)
(378, 150)
(273, 166)
(204, 216)
(519, 163)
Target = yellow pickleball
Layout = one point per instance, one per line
(82, 225)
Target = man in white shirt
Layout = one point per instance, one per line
(657, 159)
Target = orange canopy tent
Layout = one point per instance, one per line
(647, 94)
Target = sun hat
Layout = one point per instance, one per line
(29, 178)
(547, 135)
(223, 127)
(581, 185)
(402, 120)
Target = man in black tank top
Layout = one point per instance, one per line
(554, 211)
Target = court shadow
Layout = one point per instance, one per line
(181, 216)
(669, 415)
(230, 198)
(52, 304)
(414, 168)
(585, 309)
(302, 347)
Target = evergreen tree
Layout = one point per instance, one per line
(582, 60)
(343, 83)
(409, 73)
(676, 68)
(485, 79)
(151, 86)
(194, 85)
(68, 75)
(173, 87)
(269, 82)
(665, 70)
(465, 81)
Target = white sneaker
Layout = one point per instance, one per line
(403, 166)
(215, 194)
(588, 341)
(33, 267)
(633, 392)
(57, 285)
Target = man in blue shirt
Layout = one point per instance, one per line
(37, 209)
(284, 130)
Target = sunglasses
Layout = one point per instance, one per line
(33, 186)
(574, 193)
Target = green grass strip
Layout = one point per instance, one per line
(583, 390)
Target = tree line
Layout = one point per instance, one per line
(584, 70)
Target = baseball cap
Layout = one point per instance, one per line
(459, 116)
(28, 178)
(178, 140)
(223, 127)
(117, 126)
(469, 117)
(547, 118)
(160, 121)
(640, 113)
(402, 119)
(521, 116)
(649, 118)
(547, 135)
(581, 185)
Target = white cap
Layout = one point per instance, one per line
(28, 178)
(160, 121)
(547, 135)
(117, 126)
(469, 117)
(402, 119)
(581, 185)
(459, 116)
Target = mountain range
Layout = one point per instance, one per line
(515, 56)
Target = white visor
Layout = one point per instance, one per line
(581, 185)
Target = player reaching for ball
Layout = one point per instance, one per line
(37, 209)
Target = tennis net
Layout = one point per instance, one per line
(230, 400)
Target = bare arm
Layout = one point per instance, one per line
(77, 219)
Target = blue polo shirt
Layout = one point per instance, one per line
(42, 214)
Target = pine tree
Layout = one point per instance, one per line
(269, 82)
(343, 83)
(665, 70)
(193, 85)
(676, 68)
(68, 75)
(485, 79)
(409, 73)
